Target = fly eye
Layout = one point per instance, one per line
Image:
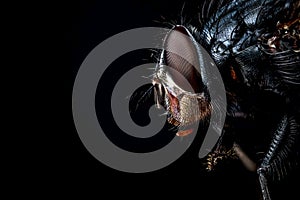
(183, 73)
(181, 55)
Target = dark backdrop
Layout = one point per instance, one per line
(84, 25)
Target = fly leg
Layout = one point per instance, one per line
(263, 184)
(275, 163)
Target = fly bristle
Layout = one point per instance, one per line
(215, 157)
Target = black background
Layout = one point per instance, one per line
(83, 25)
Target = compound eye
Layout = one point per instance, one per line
(182, 60)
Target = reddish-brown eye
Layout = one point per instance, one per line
(181, 57)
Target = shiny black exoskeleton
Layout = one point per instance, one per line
(256, 47)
